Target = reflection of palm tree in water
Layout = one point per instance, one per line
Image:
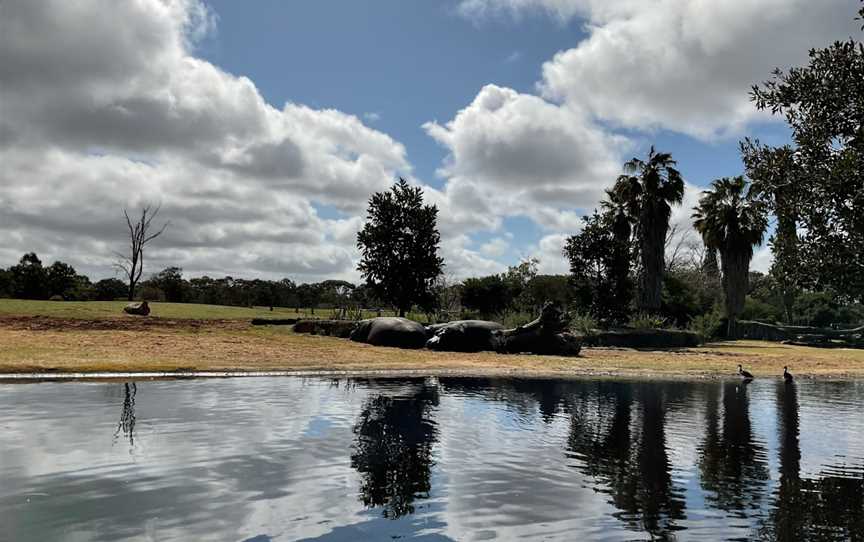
(393, 450)
(633, 464)
(127, 415)
(733, 466)
(825, 508)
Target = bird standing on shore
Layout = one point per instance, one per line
(787, 376)
(744, 374)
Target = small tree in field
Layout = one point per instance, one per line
(140, 233)
(399, 245)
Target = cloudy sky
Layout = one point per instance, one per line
(263, 128)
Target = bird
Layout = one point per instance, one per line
(787, 376)
(744, 374)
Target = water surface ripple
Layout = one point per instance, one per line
(288, 458)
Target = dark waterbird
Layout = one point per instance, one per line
(787, 376)
(746, 375)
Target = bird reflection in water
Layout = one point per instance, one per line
(828, 507)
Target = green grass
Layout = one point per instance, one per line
(111, 309)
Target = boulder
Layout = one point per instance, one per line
(464, 336)
(137, 309)
(644, 338)
(390, 331)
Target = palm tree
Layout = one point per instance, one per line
(650, 188)
(732, 221)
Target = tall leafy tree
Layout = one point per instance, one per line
(823, 103)
(593, 273)
(647, 190)
(778, 180)
(61, 278)
(29, 279)
(733, 222)
(399, 246)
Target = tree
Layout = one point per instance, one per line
(486, 295)
(778, 181)
(823, 103)
(61, 279)
(399, 246)
(170, 281)
(140, 234)
(29, 279)
(733, 222)
(594, 258)
(110, 289)
(647, 190)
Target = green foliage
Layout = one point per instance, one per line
(599, 285)
(399, 246)
(61, 279)
(29, 278)
(647, 190)
(708, 325)
(487, 296)
(823, 103)
(680, 301)
(818, 309)
(110, 289)
(760, 311)
(731, 221)
(543, 288)
(582, 323)
(644, 320)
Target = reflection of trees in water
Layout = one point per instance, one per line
(733, 466)
(393, 449)
(126, 425)
(625, 450)
(826, 508)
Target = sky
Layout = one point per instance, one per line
(262, 128)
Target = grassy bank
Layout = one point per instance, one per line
(92, 310)
(204, 338)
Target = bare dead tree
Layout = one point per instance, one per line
(132, 265)
(684, 249)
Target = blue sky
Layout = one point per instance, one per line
(263, 127)
(400, 64)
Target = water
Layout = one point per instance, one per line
(282, 458)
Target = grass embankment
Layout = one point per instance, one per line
(49, 337)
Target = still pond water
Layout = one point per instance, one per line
(262, 459)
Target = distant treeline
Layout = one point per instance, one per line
(690, 296)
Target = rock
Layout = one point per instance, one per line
(137, 309)
(274, 321)
(390, 331)
(644, 338)
(464, 336)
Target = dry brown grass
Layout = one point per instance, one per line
(46, 345)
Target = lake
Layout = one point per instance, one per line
(286, 458)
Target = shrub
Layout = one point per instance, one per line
(583, 324)
(708, 326)
(644, 320)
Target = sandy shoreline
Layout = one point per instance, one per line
(44, 347)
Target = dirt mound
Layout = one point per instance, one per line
(52, 323)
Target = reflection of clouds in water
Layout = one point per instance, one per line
(271, 458)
